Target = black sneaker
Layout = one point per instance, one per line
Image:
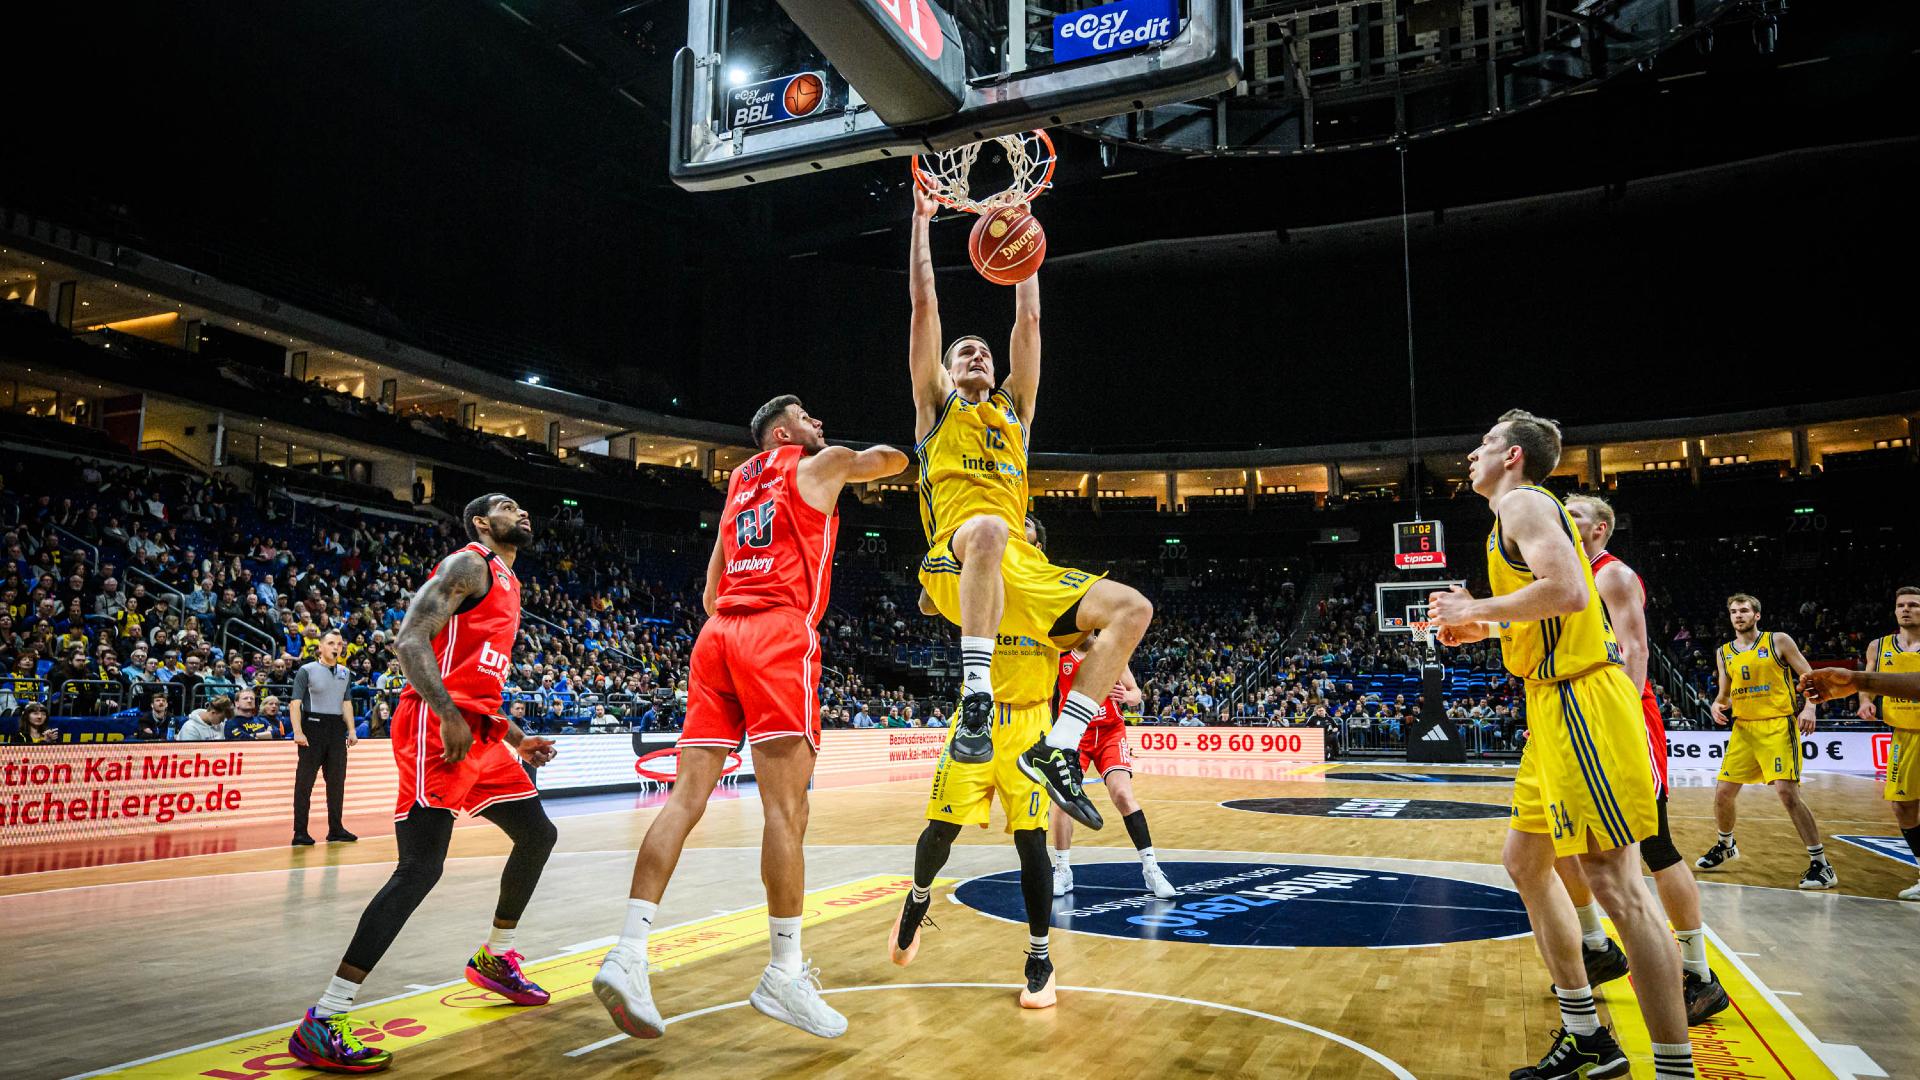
(1819, 875)
(1604, 964)
(1720, 852)
(904, 943)
(1059, 772)
(342, 837)
(1588, 1057)
(1705, 997)
(301, 839)
(1038, 993)
(972, 742)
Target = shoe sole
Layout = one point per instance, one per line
(1046, 998)
(970, 757)
(1086, 815)
(616, 1006)
(484, 983)
(1618, 1067)
(772, 1008)
(1818, 886)
(901, 957)
(296, 1050)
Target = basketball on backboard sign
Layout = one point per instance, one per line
(901, 77)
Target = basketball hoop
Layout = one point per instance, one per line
(1423, 632)
(1030, 159)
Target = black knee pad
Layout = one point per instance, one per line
(1658, 852)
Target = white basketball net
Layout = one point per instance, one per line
(945, 175)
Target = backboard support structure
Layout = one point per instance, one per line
(1014, 79)
(1400, 607)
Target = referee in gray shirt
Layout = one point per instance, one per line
(322, 715)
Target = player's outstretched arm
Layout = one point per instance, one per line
(1824, 684)
(460, 575)
(931, 384)
(1620, 591)
(823, 475)
(1023, 352)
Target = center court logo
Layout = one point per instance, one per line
(1267, 905)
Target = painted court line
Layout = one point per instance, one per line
(1757, 1038)
(418, 1017)
(1392, 1067)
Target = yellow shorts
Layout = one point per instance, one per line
(1587, 770)
(1903, 766)
(1038, 592)
(1762, 751)
(963, 793)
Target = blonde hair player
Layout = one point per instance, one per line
(971, 436)
(1756, 672)
(1625, 596)
(1585, 786)
(1893, 673)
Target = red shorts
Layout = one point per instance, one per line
(1104, 748)
(755, 675)
(490, 773)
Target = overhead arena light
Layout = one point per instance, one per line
(531, 380)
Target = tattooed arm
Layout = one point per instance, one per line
(460, 576)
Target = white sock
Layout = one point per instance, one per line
(1726, 838)
(1592, 934)
(1037, 946)
(1062, 856)
(338, 998)
(639, 924)
(1577, 1011)
(501, 940)
(976, 661)
(1146, 856)
(1075, 714)
(785, 936)
(1818, 853)
(1693, 951)
(1673, 1061)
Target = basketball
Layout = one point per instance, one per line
(803, 94)
(1007, 245)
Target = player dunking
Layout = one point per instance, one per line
(1756, 672)
(755, 673)
(1585, 785)
(1104, 749)
(1893, 674)
(971, 437)
(455, 755)
(1624, 595)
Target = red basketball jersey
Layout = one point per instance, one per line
(1649, 705)
(1069, 666)
(776, 551)
(476, 646)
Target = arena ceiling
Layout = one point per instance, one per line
(501, 167)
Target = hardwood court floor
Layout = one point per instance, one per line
(116, 964)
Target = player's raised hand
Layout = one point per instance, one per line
(1452, 608)
(1720, 714)
(1828, 683)
(924, 205)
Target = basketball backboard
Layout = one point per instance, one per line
(1401, 606)
(756, 99)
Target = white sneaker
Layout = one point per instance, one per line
(1157, 881)
(1062, 878)
(796, 1000)
(621, 986)
(1911, 892)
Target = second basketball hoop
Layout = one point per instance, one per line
(1007, 244)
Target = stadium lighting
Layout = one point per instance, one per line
(531, 380)
(736, 76)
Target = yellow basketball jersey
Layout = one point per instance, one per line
(973, 462)
(1761, 684)
(1556, 649)
(1025, 671)
(1897, 712)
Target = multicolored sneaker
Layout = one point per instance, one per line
(328, 1042)
(500, 973)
